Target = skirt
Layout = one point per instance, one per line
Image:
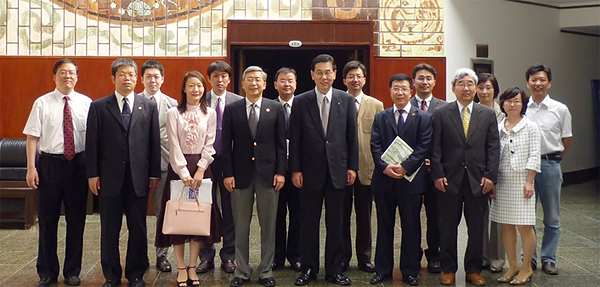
(510, 206)
(163, 240)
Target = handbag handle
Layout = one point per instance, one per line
(181, 197)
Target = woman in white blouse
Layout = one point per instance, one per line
(191, 128)
(514, 197)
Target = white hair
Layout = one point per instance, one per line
(461, 73)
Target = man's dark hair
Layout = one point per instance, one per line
(285, 70)
(424, 66)
(153, 64)
(65, 61)
(323, 58)
(402, 77)
(538, 68)
(353, 65)
(219, 66)
(123, 62)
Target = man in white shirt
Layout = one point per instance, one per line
(287, 237)
(153, 74)
(56, 135)
(554, 120)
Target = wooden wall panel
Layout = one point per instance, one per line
(24, 79)
(382, 69)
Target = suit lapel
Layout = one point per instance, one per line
(137, 110)
(389, 117)
(265, 112)
(454, 115)
(313, 109)
(334, 108)
(475, 119)
(163, 109)
(410, 119)
(241, 113)
(113, 108)
(363, 106)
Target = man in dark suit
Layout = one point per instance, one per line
(254, 162)
(123, 166)
(391, 189)
(464, 166)
(323, 160)
(219, 75)
(424, 76)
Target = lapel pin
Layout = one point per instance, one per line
(140, 108)
(413, 114)
(268, 110)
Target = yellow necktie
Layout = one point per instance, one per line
(465, 120)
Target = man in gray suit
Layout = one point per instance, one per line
(153, 74)
(219, 75)
(424, 76)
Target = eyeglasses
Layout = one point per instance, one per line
(251, 80)
(326, 73)
(353, 77)
(69, 73)
(404, 90)
(468, 85)
(127, 75)
(283, 82)
(423, 79)
(513, 102)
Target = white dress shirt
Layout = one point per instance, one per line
(406, 110)
(257, 109)
(214, 98)
(130, 100)
(46, 121)
(156, 98)
(554, 120)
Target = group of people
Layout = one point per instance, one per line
(292, 155)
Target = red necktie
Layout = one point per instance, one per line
(69, 140)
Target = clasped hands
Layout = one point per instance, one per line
(395, 171)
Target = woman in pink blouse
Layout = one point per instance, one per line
(191, 129)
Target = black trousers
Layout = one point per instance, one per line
(111, 217)
(409, 206)
(287, 237)
(433, 221)
(312, 205)
(363, 206)
(61, 181)
(451, 209)
(227, 252)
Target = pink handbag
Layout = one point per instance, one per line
(186, 217)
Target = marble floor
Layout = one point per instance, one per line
(578, 252)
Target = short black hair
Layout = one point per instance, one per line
(285, 70)
(323, 58)
(62, 62)
(353, 65)
(538, 68)
(219, 66)
(402, 77)
(123, 62)
(153, 64)
(512, 93)
(424, 66)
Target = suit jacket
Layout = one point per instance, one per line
(265, 155)
(416, 132)
(453, 154)
(229, 98)
(369, 106)
(315, 153)
(109, 145)
(433, 105)
(164, 105)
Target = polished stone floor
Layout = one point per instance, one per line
(578, 252)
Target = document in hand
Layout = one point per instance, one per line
(396, 153)
(204, 192)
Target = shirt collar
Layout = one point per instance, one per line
(406, 108)
(469, 106)
(59, 96)
(320, 95)
(212, 92)
(129, 97)
(148, 95)
(359, 98)
(258, 103)
(288, 102)
(427, 100)
(546, 101)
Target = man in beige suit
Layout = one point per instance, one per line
(153, 74)
(354, 77)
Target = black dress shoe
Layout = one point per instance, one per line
(205, 266)
(162, 264)
(434, 266)
(46, 281)
(137, 282)
(367, 267)
(410, 280)
(72, 281)
(306, 277)
(550, 268)
(267, 282)
(228, 266)
(533, 266)
(276, 265)
(237, 282)
(339, 279)
(296, 266)
(345, 266)
(378, 278)
(112, 283)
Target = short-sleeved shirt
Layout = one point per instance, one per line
(46, 121)
(554, 120)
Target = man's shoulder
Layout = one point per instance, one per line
(342, 94)
(234, 96)
(81, 97)
(171, 101)
(372, 100)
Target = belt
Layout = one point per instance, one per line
(59, 156)
(552, 156)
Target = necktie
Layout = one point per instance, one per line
(466, 118)
(126, 113)
(400, 120)
(217, 144)
(325, 114)
(253, 120)
(423, 105)
(286, 112)
(153, 98)
(69, 140)
(357, 106)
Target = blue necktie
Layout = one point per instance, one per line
(126, 113)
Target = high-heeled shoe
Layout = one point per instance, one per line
(182, 283)
(521, 282)
(192, 282)
(507, 279)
